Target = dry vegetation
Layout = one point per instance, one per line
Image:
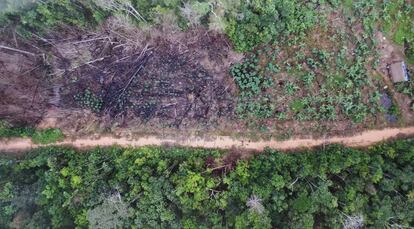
(127, 76)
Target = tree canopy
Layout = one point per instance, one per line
(331, 187)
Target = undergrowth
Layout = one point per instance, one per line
(47, 136)
(8, 131)
(38, 136)
(397, 23)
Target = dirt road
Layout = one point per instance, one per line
(363, 139)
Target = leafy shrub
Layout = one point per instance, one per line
(397, 17)
(46, 136)
(260, 22)
(248, 79)
(7, 130)
(38, 136)
(48, 14)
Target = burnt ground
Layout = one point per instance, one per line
(157, 82)
(130, 77)
(22, 100)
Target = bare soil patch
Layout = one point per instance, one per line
(362, 139)
(21, 83)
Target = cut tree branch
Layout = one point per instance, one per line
(16, 50)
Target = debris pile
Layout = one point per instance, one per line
(175, 82)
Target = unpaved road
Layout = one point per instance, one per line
(363, 139)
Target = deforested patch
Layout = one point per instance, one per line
(175, 81)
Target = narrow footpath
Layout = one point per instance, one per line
(362, 139)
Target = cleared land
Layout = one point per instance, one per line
(326, 76)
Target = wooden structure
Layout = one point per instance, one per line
(398, 72)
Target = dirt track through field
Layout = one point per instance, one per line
(359, 140)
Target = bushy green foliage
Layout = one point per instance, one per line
(12, 6)
(46, 136)
(260, 22)
(248, 24)
(52, 13)
(39, 136)
(194, 188)
(397, 20)
(7, 130)
(250, 81)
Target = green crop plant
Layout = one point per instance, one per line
(312, 63)
(297, 105)
(248, 78)
(273, 68)
(89, 100)
(291, 88)
(327, 112)
(282, 116)
(308, 79)
(322, 56)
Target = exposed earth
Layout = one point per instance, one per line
(362, 139)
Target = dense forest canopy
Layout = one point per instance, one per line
(329, 187)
